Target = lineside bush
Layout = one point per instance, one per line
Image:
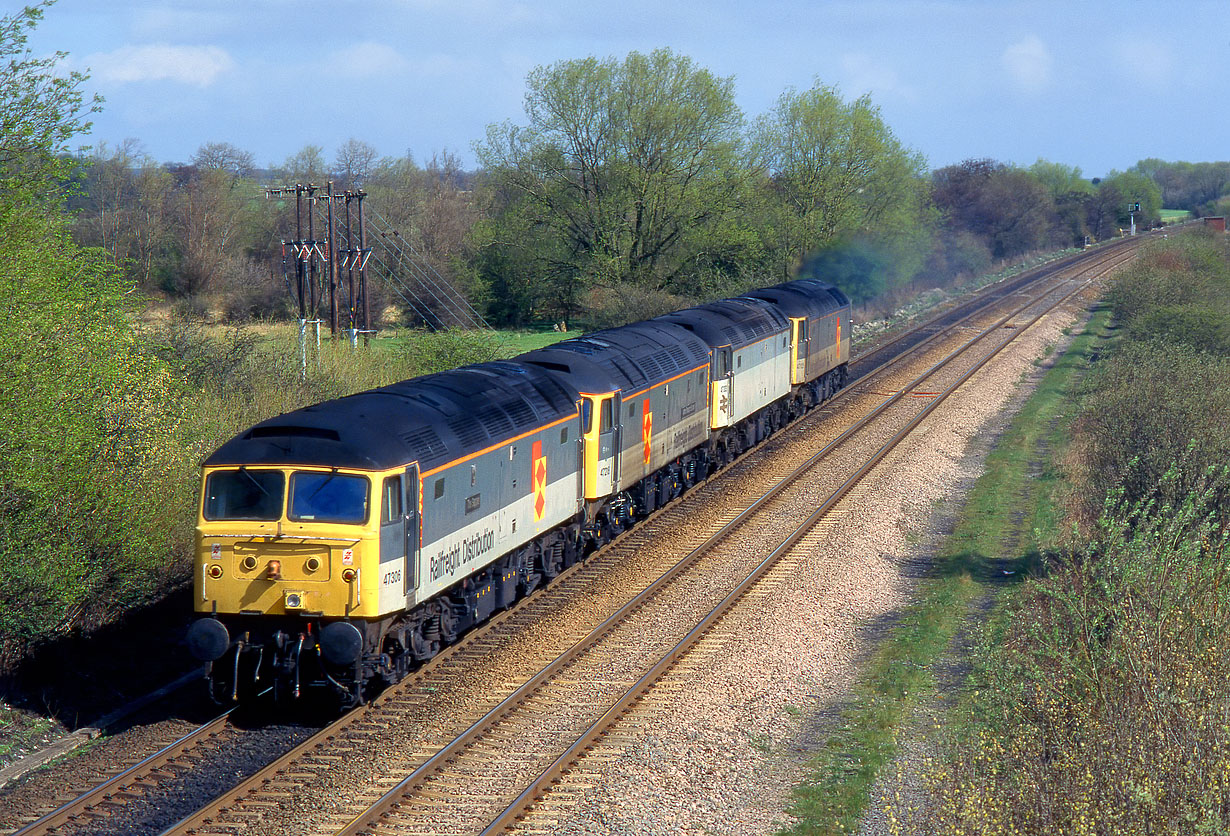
(1102, 703)
(90, 445)
(1100, 695)
(1164, 394)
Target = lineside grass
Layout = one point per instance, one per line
(995, 540)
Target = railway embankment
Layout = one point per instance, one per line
(1078, 679)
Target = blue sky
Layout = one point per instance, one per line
(1097, 85)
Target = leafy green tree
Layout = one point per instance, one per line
(307, 165)
(40, 111)
(622, 169)
(1072, 194)
(1060, 179)
(1134, 188)
(835, 170)
(88, 419)
(1009, 210)
(1184, 185)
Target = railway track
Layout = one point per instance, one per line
(513, 733)
(98, 802)
(435, 755)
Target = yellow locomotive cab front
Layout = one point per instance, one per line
(282, 541)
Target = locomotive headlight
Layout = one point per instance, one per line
(249, 563)
(293, 600)
(215, 571)
(313, 564)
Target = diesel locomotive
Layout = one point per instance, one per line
(340, 545)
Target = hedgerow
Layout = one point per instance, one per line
(1100, 696)
(90, 444)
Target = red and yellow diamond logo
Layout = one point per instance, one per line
(646, 428)
(538, 478)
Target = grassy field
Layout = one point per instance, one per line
(1174, 216)
(990, 542)
(398, 340)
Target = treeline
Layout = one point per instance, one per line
(633, 186)
(1099, 696)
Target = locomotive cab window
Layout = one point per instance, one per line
(327, 497)
(605, 422)
(391, 502)
(244, 495)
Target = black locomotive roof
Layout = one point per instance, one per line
(629, 357)
(803, 297)
(432, 419)
(733, 322)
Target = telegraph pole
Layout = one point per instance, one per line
(332, 268)
(307, 291)
(305, 251)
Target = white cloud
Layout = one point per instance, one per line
(198, 65)
(1028, 63)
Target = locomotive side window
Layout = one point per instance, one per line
(563, 436)
(391, 504)
(439, 487)
(605, 423)
(244, 495)
(587, 415)
(328, 497)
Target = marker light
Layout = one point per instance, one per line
(215, 571)
(348, 575)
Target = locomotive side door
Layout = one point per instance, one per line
(608, 444)
(412, 527)
(802, 340)
(722, 381)
(601, 447)
(399, 532)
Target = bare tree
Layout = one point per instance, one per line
(226, 157)
(353, 164)
(305, 166)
